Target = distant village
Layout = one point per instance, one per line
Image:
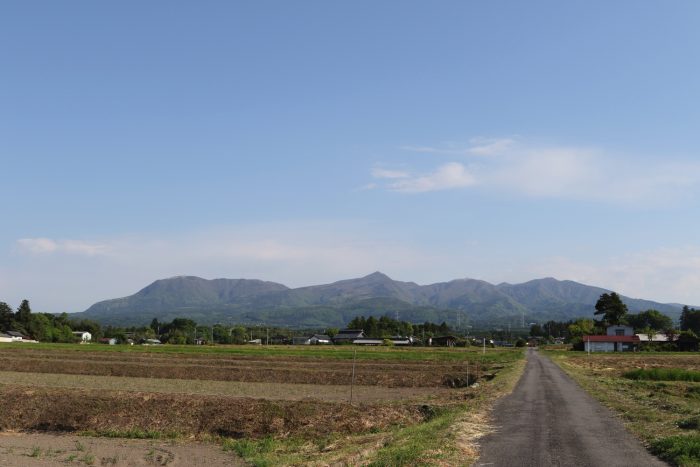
(616, 331)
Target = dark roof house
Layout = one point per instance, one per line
(348, 335)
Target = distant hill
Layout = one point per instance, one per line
(459, 301)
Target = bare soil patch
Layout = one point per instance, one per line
(277, 391)
(217, 367)
(44, 449)
(619, 363)
(55, 409)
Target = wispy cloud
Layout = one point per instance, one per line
(489, 146)
(475, 147)
(446, 177)
(386, 173)
(42, 246)
(509, 165)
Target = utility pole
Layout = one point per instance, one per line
(352, 379)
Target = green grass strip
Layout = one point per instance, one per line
(664, 374)
(683, 450)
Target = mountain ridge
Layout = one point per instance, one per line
(457, 301)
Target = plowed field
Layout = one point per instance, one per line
(232, 394)
(274, 369)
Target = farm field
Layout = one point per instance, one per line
(265, 404)
(48, 449)
(277, 365)
(665, 415)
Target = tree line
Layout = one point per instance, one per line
(44, 327)
(385, 327)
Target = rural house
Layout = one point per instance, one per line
(368, 341)
(319, 339)
(619, 338)
(654, 338)
(5, 337)
(108, 340)
(444, 341)
(15, 336)
(348, 336)
(316, 339)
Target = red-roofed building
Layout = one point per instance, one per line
(618, 339)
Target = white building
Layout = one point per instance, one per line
(618, 338)
(654, 338)
(83, 335)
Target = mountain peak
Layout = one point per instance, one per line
(377, 275)
(376, 294)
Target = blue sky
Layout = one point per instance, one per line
(312, 141)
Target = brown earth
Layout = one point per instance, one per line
(44, 449)
(205, 395)
(620, 363)
(277, 391)
(55, 409)
(280, 369)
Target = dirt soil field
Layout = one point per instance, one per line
(277, 391)
(620, 363)
(43, 449)
(283, 405)
(217, 367)
(54, 409)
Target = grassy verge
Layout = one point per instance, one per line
(665, 415)
(446, 436)
(664, 374)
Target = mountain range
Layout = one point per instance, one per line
(458, 302)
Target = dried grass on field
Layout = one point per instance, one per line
(49, 409)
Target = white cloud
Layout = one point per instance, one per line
(517, 167)
(386, 173)
(445, 177)
(37, 245)
(49, 246)
(476, 146)
(664, 274)
(489, 147)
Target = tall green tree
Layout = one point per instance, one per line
(24, 313)
(690, 320)
(6, 316)
(611, 307)
(581, 327)
(650, 319)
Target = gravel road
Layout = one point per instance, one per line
(549, 420)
